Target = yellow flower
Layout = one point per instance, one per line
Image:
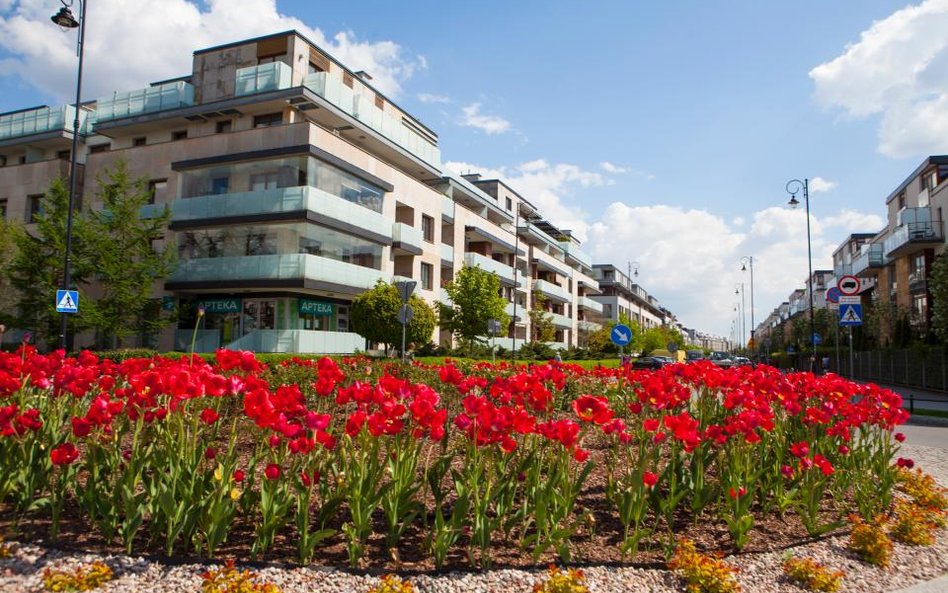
(219, 472)
(234, 494)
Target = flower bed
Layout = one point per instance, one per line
(445, 465)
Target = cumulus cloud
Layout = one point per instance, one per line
(548, 186)
(429, 98)
(611, 168)
(489, 124)
(898, 69)
(851, 221)
(125, 52)
(818, 184)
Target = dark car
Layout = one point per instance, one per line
(649, 362)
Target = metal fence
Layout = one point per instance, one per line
(925, 368)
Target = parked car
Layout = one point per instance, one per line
(721, 359)
(694, 355)
(650, 362)
(741, 360)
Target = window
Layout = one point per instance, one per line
(379, 102)
(22, 159)
(63, 154)
(267, 120)
(509, 204)
(156, 186)
(427, 228)
(179, 135)
(99, 148)
(223, 127)
(220, 185)
(313, 68)
(263, 181)
(35, 203)
(901, 200)
(427, 276)
(3, 208)
(139, 141)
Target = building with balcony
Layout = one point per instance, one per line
(622, 296)
(294, 185)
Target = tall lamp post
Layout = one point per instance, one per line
(633, 270)
(748, 261)
(516, 231)
(66, 20)
(742, 320)
(794, 186)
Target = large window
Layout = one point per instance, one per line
(427, 228)
(278, 239)
(35, 207)
(269, 174)
(427, 276)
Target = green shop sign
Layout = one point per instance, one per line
(220, 305)
(317, 308)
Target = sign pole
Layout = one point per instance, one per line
(850, 352)
(837, 347)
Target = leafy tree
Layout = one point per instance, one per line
(475, 296)
(938, 285)
(8, 294)
(541, 322)
(374, 316)
(37, 267)
(126, 263)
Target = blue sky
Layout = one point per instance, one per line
(661, 132)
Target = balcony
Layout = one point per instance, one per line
(869, 259)
(552, 291)
(171, 95)
(277, 269)
(589, 304)
(576, 253)
(505, 272)
(282, 200)
(913, 236)
(561, 321)
(265, 77)
(588, 326)
(299, 340)
(447, 209)
(41, 121)
(406, 240)
(917, 283)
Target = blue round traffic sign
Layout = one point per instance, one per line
(833, 294)
(621, 334)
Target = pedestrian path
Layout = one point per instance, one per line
(939, 585)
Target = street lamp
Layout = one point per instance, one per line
(739, 289)
(748, 261)
(634, 271)
(64, 19)
(516, 231)
(794, 186)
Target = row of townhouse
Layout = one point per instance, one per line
(893, 264)
(293, 186)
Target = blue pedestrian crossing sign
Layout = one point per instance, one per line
(67, 301)
(850, 314)
(621, 334)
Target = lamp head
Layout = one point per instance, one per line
(64, 18)
(794, 202)
(743, 267)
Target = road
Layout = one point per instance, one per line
(925, 436)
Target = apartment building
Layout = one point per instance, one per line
(621, 295)
(294, 185)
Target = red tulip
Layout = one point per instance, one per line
(272, 471)
(64, 454)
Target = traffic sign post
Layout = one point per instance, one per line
(833, 294)
(850, 314)
(621, 335)
(67, 301)
(493, 326)
(849, 285)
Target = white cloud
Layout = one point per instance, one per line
(489, 124)
(690, 260)
(429, 98)
(547, 186)
(611, 168)
(899, 69)
(818, 184)
(124, 51)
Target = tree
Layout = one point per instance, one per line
(475, 297)
(8, 294)
(127, 263)
(938, 286)
(540, 321)
(37, 268)
(374, 316)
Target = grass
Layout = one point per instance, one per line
(586, 364)
(928, 412)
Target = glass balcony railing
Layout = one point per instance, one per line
(363, 108)
(589, 326)
(265, 77)
(42, 120)
(869, 258)
(913, 232)
(561, 321)
(277, 267)
(447, 207)
(576, 253)
(171, 95)
(552, 290)
(503, 270)
(447, 253)
(591, 305)
(407, 235)
(287, 199)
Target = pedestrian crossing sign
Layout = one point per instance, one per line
(850, 314)
(67, 301)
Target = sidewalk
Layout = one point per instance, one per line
(939, 585)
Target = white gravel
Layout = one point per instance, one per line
(22, 571)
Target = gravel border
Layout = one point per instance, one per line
(22, 571)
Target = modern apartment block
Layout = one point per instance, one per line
(294, 185)
(621, 295)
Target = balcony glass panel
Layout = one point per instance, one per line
(447, 253)
(561, 321)
(406, 234)
(42, 120)
(155, 98)
(922, 232)
(447, 207)
(486, 263)
(272, 174)
(330, 88)
(265, 77)
(255, 241)
(588, 303)
(276, 267)
(577, 253)
(552, 290)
